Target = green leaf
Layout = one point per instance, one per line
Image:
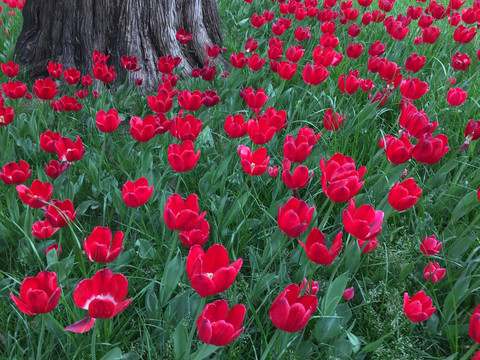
(145, 249)
(82, 208)
(455, 297)
(171, 277)
(114, 354)
(180, 341)
(334, 294)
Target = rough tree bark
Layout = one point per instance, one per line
(68, 31)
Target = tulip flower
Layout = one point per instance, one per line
(219, 326)
(71, 76)
(290, 312)
(196, 236)
(413, 89)
(367, 245)
(182, 215)
(186, 128)
(349, 293)
(255, 63)
(55, 70)
(54, 168)
(317, 250)
(403, 196)
(39, 294)
(10, 69)
(300, 177)
(430, 245)
(99, 246)
(37, 195)
(255, 99)
(430, 34)
(60, 213)
(364, 222)
(333, 120)
(67, 150)
(48, 140)
(474, 325)
(416, 123)
(136, 193)
(56, 247)
(419, 307)
(182, 36)
(456, 96)
(142, 130)
(235, 126)
(261, 131)
(414, 63)
(297, 149)
(210, 272)
(340, 180)
(190, 101)
(182, 157)
(464, 35)
(311, 288)
(103, 296)
(130, 63)
(14, 89)
(433, 272)
(294, 217)
(45, 89)
(15, 173)
(107, 122)
(253, 163)
(461, 62)
(399, 150)
(350, 84)
(429, 150)
(43, 229)
(314, 75)
(6, 115)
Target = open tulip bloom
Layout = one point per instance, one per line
(317, 250)
(103, 296)
(419, 307)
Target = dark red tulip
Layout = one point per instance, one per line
(413, 89)
(71, 76)
(332, 121)
(54, 168)
(414, 63)
(456, 96)
(55, 70)
(186, 128)
(297, 149)
(429, 150)
(398, 150)
(197, 236)
(14, 89)
(10, 69)
(300, 177)
(107, 122)
(314, 75)
(45, 89)
(190, 101)
(294, 217)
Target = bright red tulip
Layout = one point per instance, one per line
(350, 84)
(183, 37)
(14, 89)
(416, 123)
(42, 229)
(10, 69)
(182, 157)
(430, 34)
(197, 236)
(55, 70)
(398, 150)
(474, 325)
(6, 115)
(190, 101)
(456, 96)
(414, 63)
(464, 35)
(182, 215)
(430, 245)
(354, 50)
(60, 213)
(290, 312)
(317, 250)
(186, 128)
(39, 294)
(166, 64)
(255, 63)
(56, 247)
(210, 272)
(314, 75)
(419, 307)
(433, 272)
(103, 73)
(297, 149)
(136, 193)
(253, 163)
(71, 76)
(219, 326)
(99, 246)
(130, 63)
(332, 121)
(142, 130)
(37, 195)
(461, 62)
(54, 168)
(300, 177)
(429, 150)
(260, 130)
(67, 150)
(236, 126)
(107, 122)
(103, 296)
(404, 195)
(294, 217)
(311, 287)
(364, 222)
(15, 173)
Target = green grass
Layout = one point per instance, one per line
(242, 212)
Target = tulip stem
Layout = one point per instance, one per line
(272, 342)
(42, 335)
(192, 331)
(130, 222)
(470, 352)
(325, 217)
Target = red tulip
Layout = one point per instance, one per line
(210, 272)
(182, 215)
(430, 245)
(260, 131)
(294, 217)
(10, 69)
(354, 50)
(239, 60)
(15, 173)
(56, 247)
(255, 63)
(251, 45)
(429, 150)
(416, 123)
(166, 64)
(37, 195)
(300, 177)
(430, 34)
(39, 294)
(87, 80)
(474, 325)
(182, 157)
(403, 196)
(217, 325)
(197, 236)
(142, 130)
(43, 229)
(136, 193)
(99, 246)
(69, 103)
(317, 250)
(350, 84)
(186, 128)
(297, 149)
(6, 115)
(286, 69)
(190, 101)
(332, 121)
(290, 312)
(71, 76)
(348, 294)
(69, 151)
(14, 90)
(456, 96)
(60, 213)
(129, 63)
(433, 272)
(302, 33)
(107, 122)
(314, 75)
(414, 63)
(45, 89)
(103, 296)
(398, 150)
(54, 168)
(253, 163)
(464, 35)
(364, 222)
(367, 245)
(342, 178)
(103, 73)
(311, 288)
(419, 307)
(294, 53)
(55, 70)
(413, 89)
(257, 20)
(236, 126)
(461, 62)
(183, 37)
(162, 102)
(376, 49)
(353, 30)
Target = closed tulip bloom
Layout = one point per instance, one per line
(183, 37)
(364, 222)
(314, 75)
(317, 250)
(348, 294)
(71, 76)
(103, 296)
(376, 49)
(350, 84)
(103, 73)
(182, 157)
(294, 53)
(456, 96)
(210, 272)
(430, 245)
(367, 245)
(290, 312)
(162, 102)
(253, 163)
(354, 30)
(286, 70)
(398, 150)
(190, 101)
(136, 193)
(15, 173)
(429, 150)
(404, 195)
(60, 213)
(142, 130)
(182, 215)
(300, 177)
(430, 34)
(474, 325)
(37, 195)
(433, 272)
(302, 33)
(236, 126)
(186, 128)
(54, 168)
(42, 229)
(239, 60)
(130, 63)
(107, 122)
(55, 70)
(197, 236)
(251, 45)
(39, 294)
(255, 63)
(414, 63)
(311, 288)
(99, 246)
(45, 89)
(333, 120)
(219, 326)
(340, 179)
(67, 150)
(354, 50)
(260, 131)
(415, 122)
(10, 69)
(461, 62)
(464, 35)
(14, 89)
(297, 149)
(48, 140)
(419, 307)
(294, 217)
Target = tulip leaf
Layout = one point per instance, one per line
(334, 294)
(464, 206)
(145, 249)
(83, 207)
(180, 341)
(113, 354)
(171, 276)
(455, 297)
(204, 352)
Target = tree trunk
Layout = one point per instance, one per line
(68, 31)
